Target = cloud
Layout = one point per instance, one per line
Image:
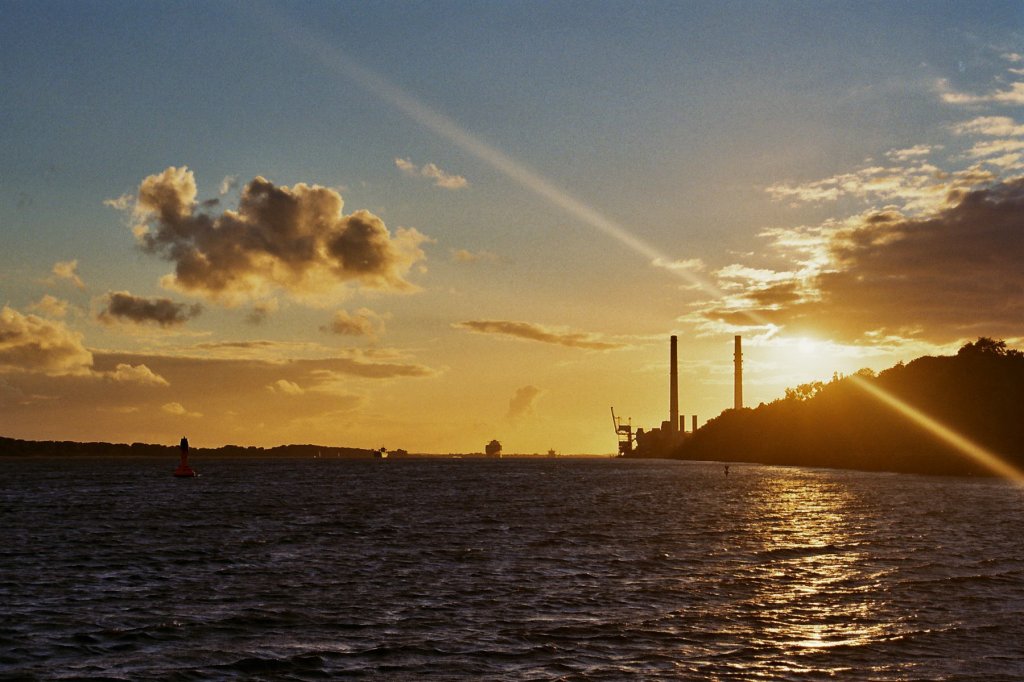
(690, 264)
(51, 306)
(136, 374)
(32, 344)
(441, 178)
(67, 270)
(124, 306)
(286, 387)
(261, 311)
(911, 152)
(949, 274)
(535, 332)
(357, 364)
(364, 322)
(179, 410)
(294, 239)
(341, 367)
(918, 187)
(1013, 95)
(521, 404)
(996, 126)
(122, 203)
(229, 183)
(464, 256)
(995, 147)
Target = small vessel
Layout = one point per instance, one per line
(184, 470)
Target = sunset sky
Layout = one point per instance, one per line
(427, 225)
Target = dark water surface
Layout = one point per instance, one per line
(510, 569)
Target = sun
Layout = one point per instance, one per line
(798, 359)
(808, 346)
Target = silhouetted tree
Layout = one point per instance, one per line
(805, 391)
(987, 346)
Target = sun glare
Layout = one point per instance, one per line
(982, 456)
(807, 346)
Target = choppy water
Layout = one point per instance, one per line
(511, 569)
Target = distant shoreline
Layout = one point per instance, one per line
(14, 447)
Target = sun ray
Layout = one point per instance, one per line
(965, 446)
(336, 60)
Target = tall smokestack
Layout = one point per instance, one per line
(673, 390)
(737, 360)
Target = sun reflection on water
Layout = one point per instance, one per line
(815, 589)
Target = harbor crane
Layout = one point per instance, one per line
(624, 432)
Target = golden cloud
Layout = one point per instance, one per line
(179, 410)
(51, 306)
(137, 374)
(68, 270)
(364, 322)
(32, 344)
(286, 387)
(294, 239)
(441, 178)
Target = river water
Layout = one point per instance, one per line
(508, 569)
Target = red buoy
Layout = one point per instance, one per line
(184, 470)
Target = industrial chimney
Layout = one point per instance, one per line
(738, 377)
(673, 390)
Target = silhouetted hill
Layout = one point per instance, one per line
(15, 447)
(979, 393)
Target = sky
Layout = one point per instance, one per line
(424, 225)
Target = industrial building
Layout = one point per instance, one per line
(660, 442)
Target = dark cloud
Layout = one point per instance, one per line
(535, 332)
(296, 239)
(948, 275)
(260, 312)
(247, 345)
(521, 404)
(123, 306)
(779, 294)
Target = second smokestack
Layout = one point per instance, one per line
(673, 390)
